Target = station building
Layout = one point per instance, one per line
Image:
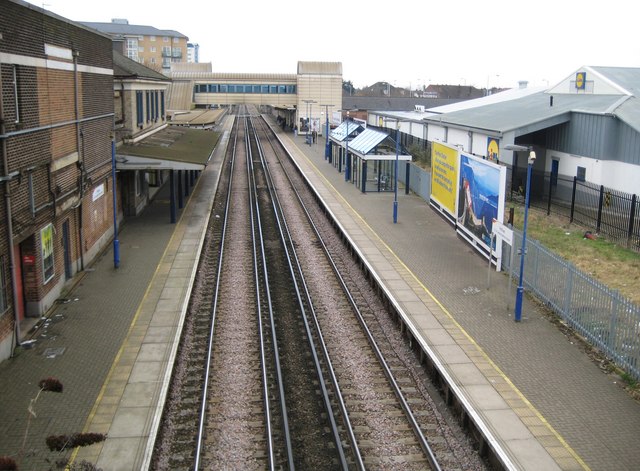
(304, 100)
(78, 123)
(56, 130)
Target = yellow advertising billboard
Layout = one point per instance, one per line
(444, 177)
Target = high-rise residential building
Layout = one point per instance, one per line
(193, 53)
(152, 47)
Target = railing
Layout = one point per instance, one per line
(602, 316)
(604, 210)
(605, 318)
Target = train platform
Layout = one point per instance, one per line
(537, 392)
(539, 395)
(111, 341)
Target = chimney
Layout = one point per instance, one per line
(551, 101)
(120, 21)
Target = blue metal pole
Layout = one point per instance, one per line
(520, 291)
(346, 154)
(327, 149)
(395, 196)
(116, 242)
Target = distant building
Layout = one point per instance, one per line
(152, 47)
(193, 53)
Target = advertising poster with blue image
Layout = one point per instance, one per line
(481, 194)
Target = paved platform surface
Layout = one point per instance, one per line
(111, 340)
(582, 417)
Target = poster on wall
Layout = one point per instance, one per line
(46, 251)
(444, 179)
(480, 199)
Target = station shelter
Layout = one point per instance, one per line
(339, 141)
(370, 158)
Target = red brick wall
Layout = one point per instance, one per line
(46, 98)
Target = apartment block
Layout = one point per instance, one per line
(152, 47)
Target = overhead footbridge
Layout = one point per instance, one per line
(302, 100)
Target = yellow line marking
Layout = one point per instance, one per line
(116, 360)
(448, 314)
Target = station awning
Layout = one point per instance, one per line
(339, 134)
(375, 145)
(172, 148)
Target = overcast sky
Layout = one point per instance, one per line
(491, 43)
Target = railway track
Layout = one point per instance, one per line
(306, 368)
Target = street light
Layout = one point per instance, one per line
(395, 193)
(327, 149)
(346, 152)
(395, 188)
(530, 161)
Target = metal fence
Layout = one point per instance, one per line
(603, 316)
(604, 210)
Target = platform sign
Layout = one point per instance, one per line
(502, 231)
(444, 178)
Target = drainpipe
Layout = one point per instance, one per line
(6, 179)
(80, 156)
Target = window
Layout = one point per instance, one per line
(139, 109)
(46, 248)
(152, 111)
(152, 49)
(176, 40)
(165, 39)
(581, 174)
(132, 48)
(223, 88)
(148, 97)
(162, 104)
(152, 38)
(273, 89)
(256, 88)
(264, 88)
(3, 286)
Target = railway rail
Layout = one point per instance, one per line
(305, 367)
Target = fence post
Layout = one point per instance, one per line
(613, 326)
(568, 290)
(573, 198)
(600, 202)
(632, 216)
(550, 189)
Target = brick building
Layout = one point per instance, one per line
(140, 111)
(56, 131)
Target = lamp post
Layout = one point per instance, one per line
(327, 149)
(346, 152)
(395, 187)
(520, 291)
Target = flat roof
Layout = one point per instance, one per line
(174, 147)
